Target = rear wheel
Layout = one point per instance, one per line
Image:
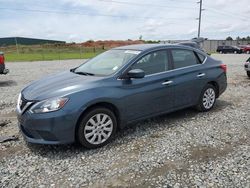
(207, 98)
(97, 128)
(248, 52)
(248, 74)
(235, 52)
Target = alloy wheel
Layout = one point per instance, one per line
(98, 129)
(208, 98)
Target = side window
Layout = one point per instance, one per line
(154, 62)
(184, 58)
(201, 57)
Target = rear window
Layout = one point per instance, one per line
(184, 58)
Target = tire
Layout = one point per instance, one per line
(248, 74)
(220, 52)
(207, 98)
(91, 131)
(235, 52)
(248, 52)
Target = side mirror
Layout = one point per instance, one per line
(136, 73)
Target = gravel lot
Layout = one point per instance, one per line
(181, 149)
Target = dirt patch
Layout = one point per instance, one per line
(10, 151)
(110, 43)
(206, 153)
(8, 83)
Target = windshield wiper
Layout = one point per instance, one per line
(84, 73)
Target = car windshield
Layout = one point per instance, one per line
(106, 63)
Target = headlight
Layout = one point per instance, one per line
(19, 99)
(49, 105)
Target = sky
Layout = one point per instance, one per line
(82, 20)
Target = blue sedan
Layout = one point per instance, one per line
(89, 103)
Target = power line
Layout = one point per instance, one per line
(227, 14)
(145, 4)
(171, 7)
(85, 14)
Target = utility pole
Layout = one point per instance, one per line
(16, 46)
(199, 27)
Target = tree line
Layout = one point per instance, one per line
(239, 38)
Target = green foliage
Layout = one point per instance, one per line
(243, 38)
(51, 52)
(229, 38)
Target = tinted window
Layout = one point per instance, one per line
(183, 58)
(201, 57)
(154, 62)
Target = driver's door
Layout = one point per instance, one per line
(152, 94)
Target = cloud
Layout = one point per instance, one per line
(81, 20)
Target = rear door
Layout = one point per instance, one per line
(189, 77)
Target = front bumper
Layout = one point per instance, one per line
(3, 70)
(6, 71)
(247, 67)
(48, 128)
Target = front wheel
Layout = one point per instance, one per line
(97, 128)
(207, 98)
(248, 74)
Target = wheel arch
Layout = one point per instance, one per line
(216, 85)
(107, 105)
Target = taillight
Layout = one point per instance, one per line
(1, 59)
(224, 67)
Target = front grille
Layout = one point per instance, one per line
(23, 102)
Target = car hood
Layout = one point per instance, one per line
(59, 84)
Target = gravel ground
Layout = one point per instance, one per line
(181, 149)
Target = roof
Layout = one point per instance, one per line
(142, 47)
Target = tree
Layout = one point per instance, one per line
(238, 38)
(229, 38)
(140, 38)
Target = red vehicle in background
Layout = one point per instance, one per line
(245, 48)
(3, 70)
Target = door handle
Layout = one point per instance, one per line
(168, 82)
(201, 75)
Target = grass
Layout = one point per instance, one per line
(48, 52)
(14, 57)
